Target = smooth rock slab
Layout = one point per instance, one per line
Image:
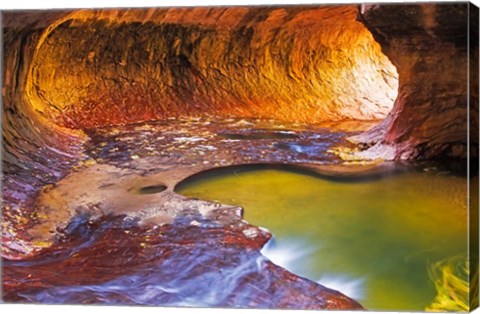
(178, 264)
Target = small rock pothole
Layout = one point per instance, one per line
(151, 189)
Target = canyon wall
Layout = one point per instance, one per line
(305, 64)
(437, 63)
(88, 68)
(35, 151)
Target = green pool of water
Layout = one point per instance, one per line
(373, 240)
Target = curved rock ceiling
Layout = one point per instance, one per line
(305, 64)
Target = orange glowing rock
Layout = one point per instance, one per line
(306, 64)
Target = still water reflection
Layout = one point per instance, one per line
(371, 239)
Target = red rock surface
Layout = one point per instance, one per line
(93, 237)
(306, 64)
(175, 265)
(428, 43)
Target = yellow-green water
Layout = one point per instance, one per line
(373, 240)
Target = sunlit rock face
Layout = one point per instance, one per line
(429, 45)
(305, 64)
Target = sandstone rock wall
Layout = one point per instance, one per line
(35, 151)
(428, 43)
(88, 68)
(304, 64)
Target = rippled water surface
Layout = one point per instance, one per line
(371, 239)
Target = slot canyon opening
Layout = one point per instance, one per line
(96, 102)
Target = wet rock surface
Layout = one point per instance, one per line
(95, 237)
(178, 264)
(133, 170)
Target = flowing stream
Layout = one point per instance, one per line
(370, 236)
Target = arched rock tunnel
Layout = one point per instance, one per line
(88, 68)
(95, 68)
(68, 71)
